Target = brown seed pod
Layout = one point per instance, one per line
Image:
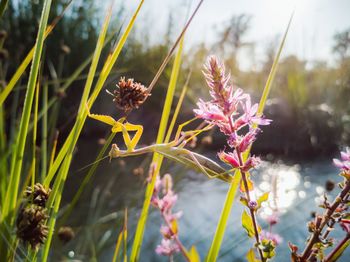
(329, 185)
(31, 226)
(65, 234)
(129, 94)
(38, 196)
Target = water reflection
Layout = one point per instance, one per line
(293, 191)
(282, 182)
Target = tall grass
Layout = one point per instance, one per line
(66, 153)
(57, 170)
(10, 203)
(157, 158)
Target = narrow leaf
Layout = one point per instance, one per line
(193, 254)
(251, 256)
(247, 224)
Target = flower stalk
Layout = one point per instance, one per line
(232, 112)
(251, 209)
(334, 213)
(325, 219)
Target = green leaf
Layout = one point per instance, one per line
(251, 256)
(264, 197)
(247, 223)
(244, 201)
(193, 254)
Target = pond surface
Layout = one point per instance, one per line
(98, 216)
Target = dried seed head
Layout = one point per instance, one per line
(31, 226)
(329, 185)
(32, 216)
(129, 94)
(38, 196)
(65, 234)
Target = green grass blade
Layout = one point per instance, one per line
(11, 196)
(273, 70)
(117, 246)
(17, 155)
(226, 211)
(44, 133)
(56, 194)
(177, 110)
(3, 5)
(35, 120)
(3, 156)
(157, 158)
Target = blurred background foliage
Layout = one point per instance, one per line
(309, 104)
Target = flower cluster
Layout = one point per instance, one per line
(269, 241)
(232, 111)
(164, 199)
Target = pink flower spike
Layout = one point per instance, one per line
(252, 162)
(342, 165)
(248, 139)
(175, 216)
(166, 232)
(209, 111)
(345, 156)
(230, 158)
(167, 248)
(168, 201)
(250, 114)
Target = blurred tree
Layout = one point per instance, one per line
(231, 39)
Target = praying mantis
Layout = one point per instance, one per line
(174, 150)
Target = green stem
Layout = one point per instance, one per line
(251, 210)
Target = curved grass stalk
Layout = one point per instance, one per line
(230, 196)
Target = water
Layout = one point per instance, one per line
(98, 217)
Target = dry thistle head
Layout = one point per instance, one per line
(129, 94)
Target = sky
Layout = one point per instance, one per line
(311, 35)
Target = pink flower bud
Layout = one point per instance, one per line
(230, 158)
